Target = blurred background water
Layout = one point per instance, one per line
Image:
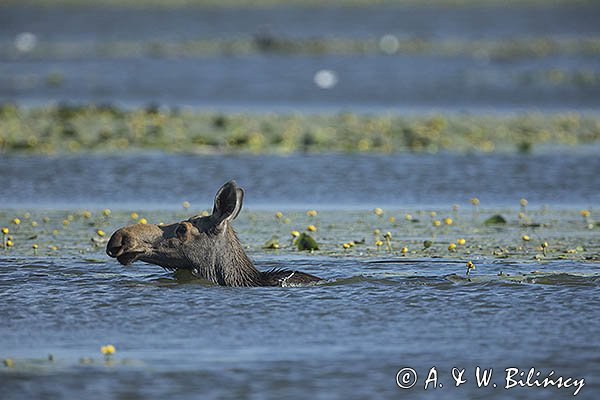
(488, 56)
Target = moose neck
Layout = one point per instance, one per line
(230, 265)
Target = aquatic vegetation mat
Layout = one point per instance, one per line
(458, 233)
(67, 128)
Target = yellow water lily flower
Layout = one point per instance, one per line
(108, 349)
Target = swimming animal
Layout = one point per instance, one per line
(207, 246)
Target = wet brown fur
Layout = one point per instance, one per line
(206, 246)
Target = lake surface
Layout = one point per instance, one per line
(475, 78)
(344, 339)
(376, 313)
(339, 181)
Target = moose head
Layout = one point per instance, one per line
(207, 246)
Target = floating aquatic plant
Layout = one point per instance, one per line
(495, 220)
(272, 243)
(4, 233)
(306, 242)
(108, 351)
(544, 247)
(69, 128)
(470, 266)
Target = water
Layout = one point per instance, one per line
(376, 312)
(330, 180)
(90, 24)
(472, 79)
(344, 339)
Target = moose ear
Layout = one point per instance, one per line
(228, 202)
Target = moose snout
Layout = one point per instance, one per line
(114, 248)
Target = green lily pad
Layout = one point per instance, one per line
(495, 219)
(306, 242)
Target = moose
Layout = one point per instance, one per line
(206, 246)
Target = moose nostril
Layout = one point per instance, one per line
(114, 247)
(114, 251)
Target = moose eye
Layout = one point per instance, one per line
(181, 231)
